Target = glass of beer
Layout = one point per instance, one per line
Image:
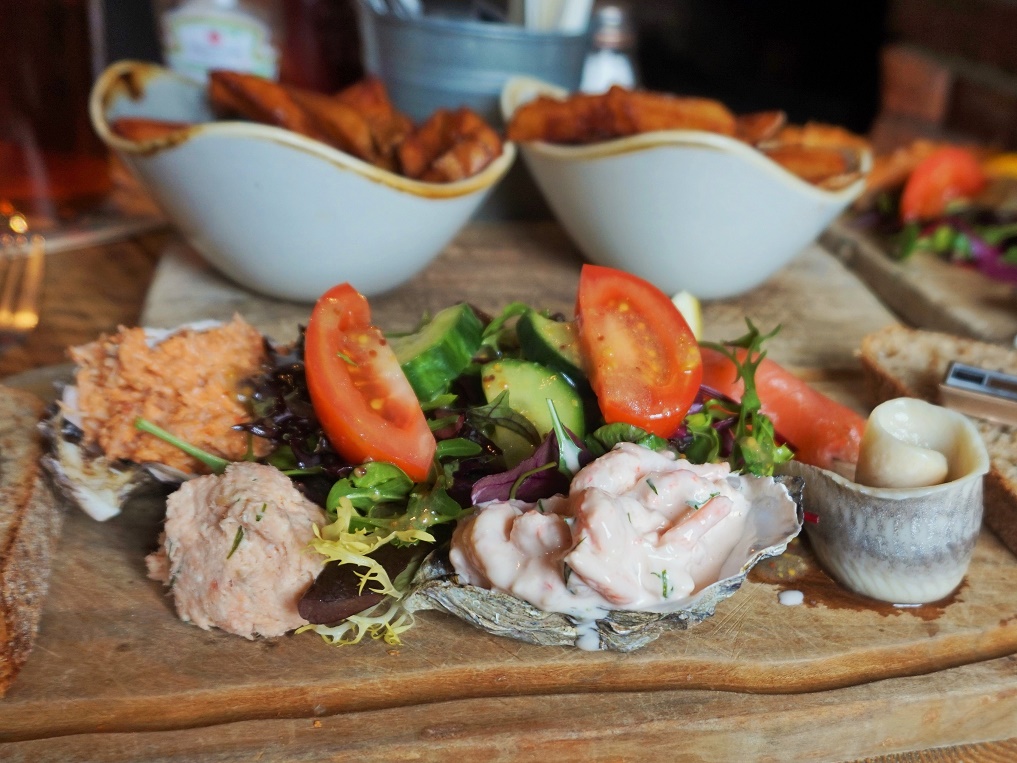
(52, 165)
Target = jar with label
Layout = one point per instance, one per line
(240, 35)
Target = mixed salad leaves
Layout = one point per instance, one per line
(399, 436)
(953, 206)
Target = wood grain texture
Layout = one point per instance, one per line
(926, 291)
(822, 307)
(86, 292)
(117, 677)
(488, 265)
(114, 656)
(30, 520)
(706, 727)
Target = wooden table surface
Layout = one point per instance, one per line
(94, 290)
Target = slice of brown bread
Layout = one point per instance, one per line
(30, 521)
(903, 362)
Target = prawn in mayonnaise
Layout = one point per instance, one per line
(639, 530)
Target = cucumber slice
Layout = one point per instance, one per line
(435, 355)
(530, 385)
(551, 343)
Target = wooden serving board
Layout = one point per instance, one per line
(116, 676)
(925, 290)
(822, 308)
(112, 657)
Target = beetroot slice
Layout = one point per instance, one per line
(335, 594)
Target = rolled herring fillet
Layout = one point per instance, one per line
(906, 443)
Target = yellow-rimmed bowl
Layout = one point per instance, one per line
(685, 209)
(277, 212)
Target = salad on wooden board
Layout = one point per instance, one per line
(956, 202)
(601, 468)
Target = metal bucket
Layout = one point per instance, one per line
(434, 61)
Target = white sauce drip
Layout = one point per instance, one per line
(791, 598)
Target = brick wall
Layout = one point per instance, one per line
(949, 71)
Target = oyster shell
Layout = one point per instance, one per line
(776, 518)
(97, 485)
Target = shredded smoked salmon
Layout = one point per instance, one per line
(188, 384)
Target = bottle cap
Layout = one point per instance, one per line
(613, 27)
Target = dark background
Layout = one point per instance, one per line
(815, 60)
(131, 30)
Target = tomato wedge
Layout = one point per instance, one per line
(360, 394)
(946, 174)
(644, 363)
(819, 430)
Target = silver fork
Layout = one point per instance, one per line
(22, 265)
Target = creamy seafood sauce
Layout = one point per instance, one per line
(639, 530)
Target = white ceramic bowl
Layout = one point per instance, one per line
(684, 209)
(277, 212)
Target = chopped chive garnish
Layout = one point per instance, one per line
(696, 505)
(215, 463)
(236, 541)
(666, 589)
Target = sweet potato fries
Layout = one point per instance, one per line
(360, 121)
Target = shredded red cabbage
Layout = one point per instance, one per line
(974, 236)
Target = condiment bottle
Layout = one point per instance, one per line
(321, 50)
(240, 35)
(611, 60)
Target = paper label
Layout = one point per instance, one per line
(199, 41)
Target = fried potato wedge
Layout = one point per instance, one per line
(657, 111)
(583, 118)
(369, 97)
(361, 121)
(819, 134)
(580, 119)
(258, 99)
(825, 155)
(343, 126)
(425, 144)
(141, 129)
(813, 164)
(838, 182)
(388, 126)
(450, 146)
(759, 126)
(225, 102)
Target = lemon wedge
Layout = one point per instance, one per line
(688, 306)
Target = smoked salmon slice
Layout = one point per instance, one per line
(821, 431)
